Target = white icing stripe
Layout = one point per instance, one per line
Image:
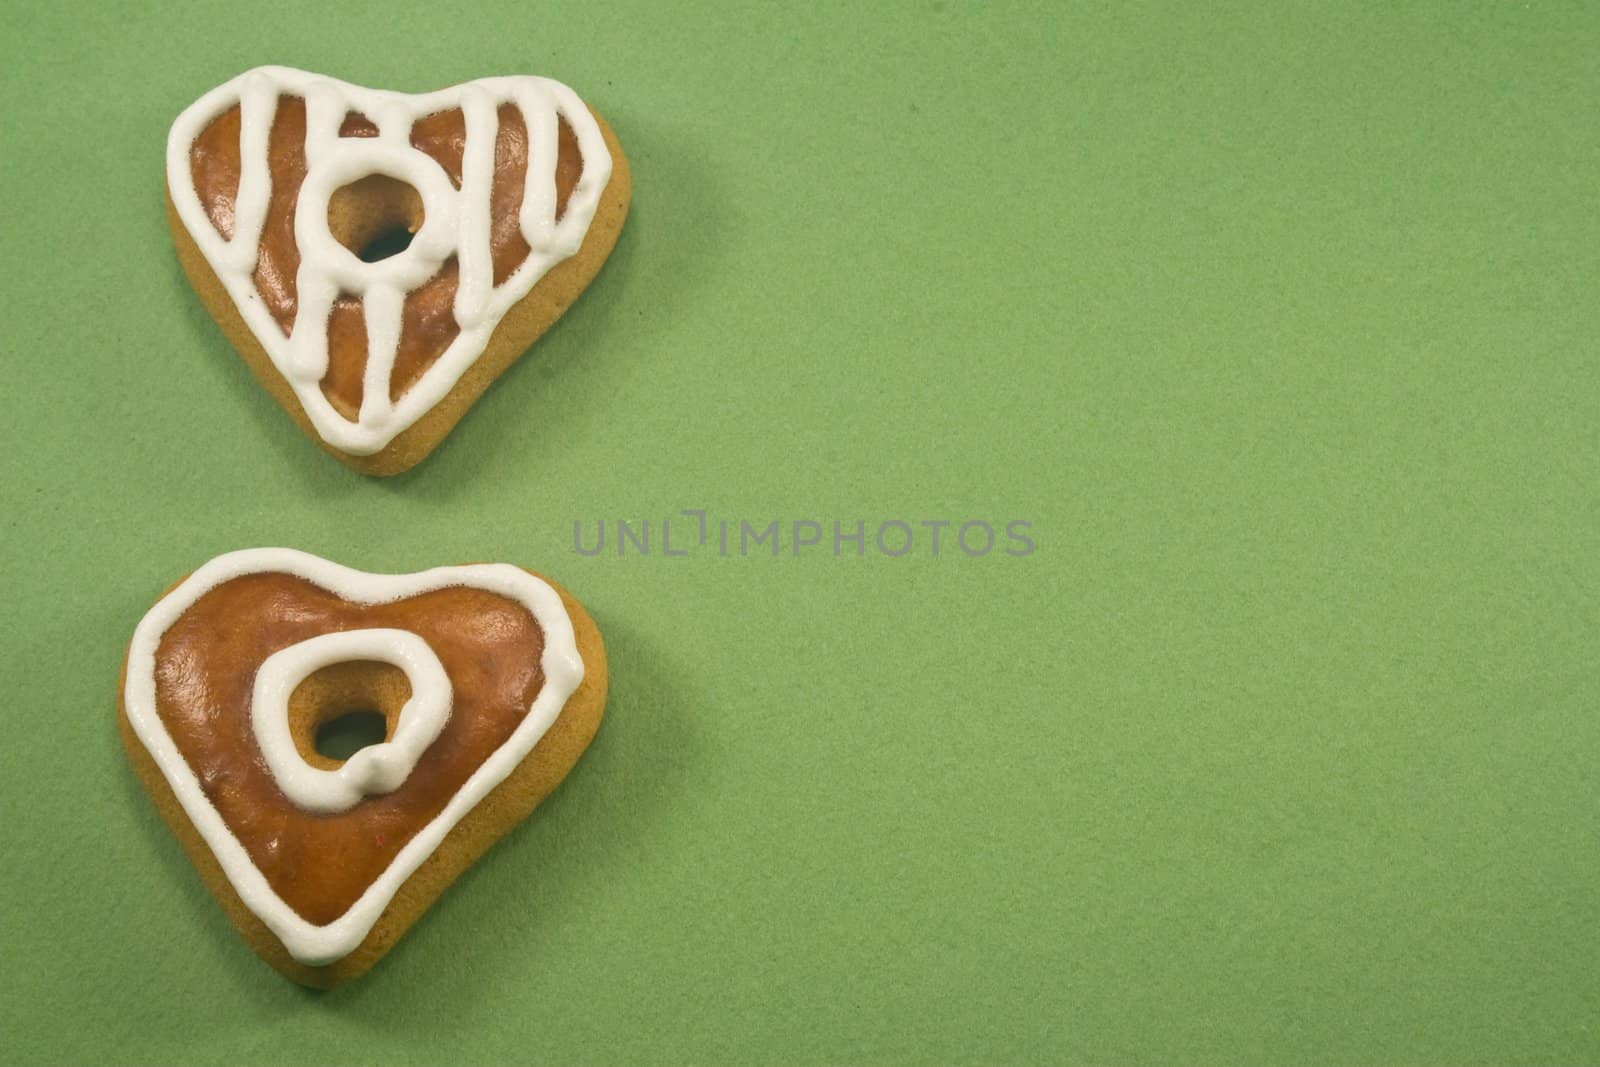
(316, 945)
(537, 216)
(373, 770)
(385, 307)
(477, 183)
(455, 222)
(258, 106)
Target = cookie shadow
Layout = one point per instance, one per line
(553, 401)
(553, 398)
(220, 954)
(213, 356)
(147, 902)
(546, 875)
(225, 953)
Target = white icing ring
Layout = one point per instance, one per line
(311, 944)
(455, 221)
(373, 770)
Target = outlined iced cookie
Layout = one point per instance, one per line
(491, 682)
(379, 258)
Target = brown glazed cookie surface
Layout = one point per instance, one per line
(189, 725)
(211, 155)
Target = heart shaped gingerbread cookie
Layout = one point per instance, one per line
(490, 682)
(379, 258)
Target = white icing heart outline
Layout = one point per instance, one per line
(455, 221)
(311, 944)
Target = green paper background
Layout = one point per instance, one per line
(1278, 322)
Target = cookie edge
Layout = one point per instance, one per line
(505, 806)
(530, 318)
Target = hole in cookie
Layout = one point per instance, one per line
(341, 738)
(376, 217)
(390, 242)
(343, 708)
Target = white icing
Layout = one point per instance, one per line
(373, 770)
(455, 222)
(563, 671)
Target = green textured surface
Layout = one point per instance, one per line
(1280, 328)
